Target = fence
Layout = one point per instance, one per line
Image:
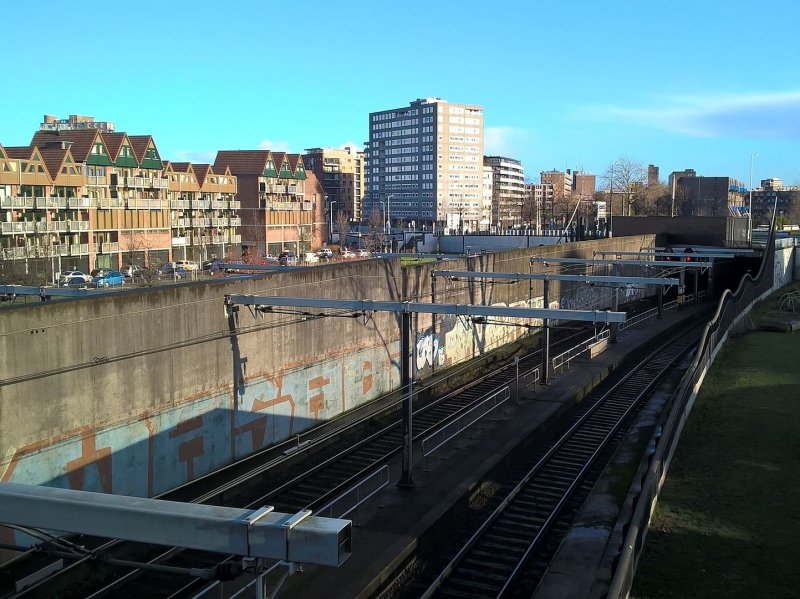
(458, 425)
(563, 359)
(733, 306)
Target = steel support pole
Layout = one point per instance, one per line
(710, 293)
(546, 337)
(660, 296)
(696, 277)
(406, 480)
(614, 304)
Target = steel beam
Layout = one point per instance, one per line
(544, 276)
(595, 262)
(698, 256)
(261, 533)
(412, 307)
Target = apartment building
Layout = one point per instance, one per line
(584, 185)
(84, 197)
(774, 193)
(425, 164)
(282, 205)
(508, 190)
(341, 173)
(561, 182)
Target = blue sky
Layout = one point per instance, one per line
(701, 84)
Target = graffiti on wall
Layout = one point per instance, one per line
(157, 452)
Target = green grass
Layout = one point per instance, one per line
(727, 522)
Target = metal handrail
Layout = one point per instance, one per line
(466, 419)
(732, 307)
(354, 496)
(564, 358)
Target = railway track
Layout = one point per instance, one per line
(510, 550)
(300, 474)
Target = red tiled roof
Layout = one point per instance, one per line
(181, 167)
(242, 162)
(201, 171)
(53, 159)
(277, 158)
(139, 145)
(19, 152)
(293, 160)
(82, 141)
(113, 143)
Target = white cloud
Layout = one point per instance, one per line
(511, 142)
(277, 146)
(756, 115)
(351, 144)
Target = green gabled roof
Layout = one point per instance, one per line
(270, 171)
(285, 170)
(296, 162)
(98, 155)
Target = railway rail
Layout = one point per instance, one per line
(302, 473)
(496, 561)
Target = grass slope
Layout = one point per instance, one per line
(727, 523)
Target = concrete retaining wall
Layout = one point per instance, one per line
(136, 393)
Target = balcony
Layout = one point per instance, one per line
(74, 226)
(236, 222)
(179, 204)
(21, 227)
(201, 205)
(93, 181)
(282, 205)
(78, 249)
(17, 202)
(79, 202)
(108, 247)
(51, 202)
(181, 222)
(236, 239)
(159, 183)
(14, 253)
(134, 182)
(201, 222)
(306, 205)
(235, 205)
(106, 203)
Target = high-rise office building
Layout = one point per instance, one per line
(508, 190)
(425, 163)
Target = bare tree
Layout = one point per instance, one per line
(342, 225)
(626, 177)
(375, 229)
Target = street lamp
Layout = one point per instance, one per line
(750, 203)
(330, 207)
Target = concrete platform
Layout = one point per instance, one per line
(386, 530)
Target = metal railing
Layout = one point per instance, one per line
(563, 359)
(531, 377)
(463, 421)
(732, 308)
(350, 500)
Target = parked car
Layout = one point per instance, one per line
(347, 253)
(362, 253)
(170, 268)
(187, 264)
(100, 272)
(287, 258)
(214, 265)
(72, 277)
(272, 259)
(131, 270)
(112, 279)
(310, 257)
(325, 253)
